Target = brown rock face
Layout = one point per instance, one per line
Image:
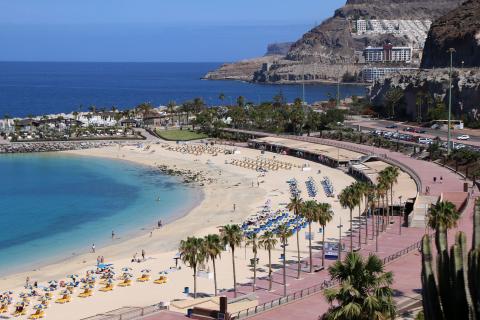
(459, 29)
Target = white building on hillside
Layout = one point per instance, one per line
(388, 53)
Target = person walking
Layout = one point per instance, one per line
(93, 248)
(143, 255)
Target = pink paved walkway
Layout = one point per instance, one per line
(406, 268)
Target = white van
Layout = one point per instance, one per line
(425, 141)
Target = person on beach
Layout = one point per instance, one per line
(93, 248)
(159, 224)
(27, 282)
(143, 255)
(113, 234)
(234, 207)
(434, 179)
(441, 179)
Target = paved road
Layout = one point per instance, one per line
(430, 133)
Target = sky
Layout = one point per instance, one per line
(152, 30)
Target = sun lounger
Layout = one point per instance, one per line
(161, 280)
(37, 315)
(107, 288)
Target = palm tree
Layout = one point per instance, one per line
(268, 242)
(171, 107)
(232, 236)
(441, 217)
(382, 190)
(324, 216)
(283, 233)
(213, 250)
(296, 205)
(368, 193)
(358, 190)
(221, 97)
(252, 240)
(364, 292)
(348, 200)
(309, 212)
(393, 173)
(192, 252)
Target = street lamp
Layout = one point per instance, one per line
(400, 216)
(451, 51)
(340, 240)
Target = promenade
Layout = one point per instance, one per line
(400, 252)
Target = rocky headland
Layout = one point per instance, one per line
(329, 51)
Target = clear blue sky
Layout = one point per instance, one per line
(152, 30)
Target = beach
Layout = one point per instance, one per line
(230, 195)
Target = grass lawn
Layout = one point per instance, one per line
(180, 135)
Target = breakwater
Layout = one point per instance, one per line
(30, 147)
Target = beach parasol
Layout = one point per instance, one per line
(88, 286)
(109, 281)
(7, 292)
(20, 304)
(38, 307)
(126, 269)
(52, 282)
(65, 292)
(23, 295)
(48, 289)
(146, 271)
(72, 276)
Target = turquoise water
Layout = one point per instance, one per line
(53, 206)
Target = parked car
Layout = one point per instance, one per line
(463, 137)
(420, 131)
(391, 126)
(425, 141)
(408, 129)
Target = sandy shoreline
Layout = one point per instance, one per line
(231, 185)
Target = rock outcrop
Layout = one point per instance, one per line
(459, 29)
(278, 49)
(242, 70)
(434, 83)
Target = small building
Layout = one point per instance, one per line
(371, 74)
(153, 119)
(129, 123)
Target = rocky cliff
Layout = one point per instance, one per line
(458, 29)
(434, 83)
(329, 50)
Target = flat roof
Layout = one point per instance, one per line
(333, 153)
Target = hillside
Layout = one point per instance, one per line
(335, 47)
(459, 29)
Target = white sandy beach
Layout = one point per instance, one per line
(232, 185)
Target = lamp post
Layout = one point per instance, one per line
(340, 240)
(451, 51)
(400, 216)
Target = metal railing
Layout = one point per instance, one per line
(129, 314)
(297, 295)
(398, 254)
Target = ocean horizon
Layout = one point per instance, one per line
(38, 88)
(56, 206)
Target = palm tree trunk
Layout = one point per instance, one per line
(214, 275)
(298, 254)
(310, 245)
(391, 200)
(323, 246)
(366, 221)
(351, 230)
(254, 271)
(234, 274)
(373, 219)
(284, 271)
(360, 227)
(270, 270)
(195, 283)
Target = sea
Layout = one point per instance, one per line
(54, 206)
(38, 88)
